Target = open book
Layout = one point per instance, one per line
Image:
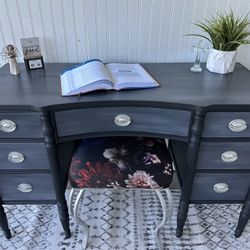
(94, 75)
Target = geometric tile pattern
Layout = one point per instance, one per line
(125, 220)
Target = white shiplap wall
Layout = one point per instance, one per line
(112, 30)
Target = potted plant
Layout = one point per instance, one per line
(226, 33)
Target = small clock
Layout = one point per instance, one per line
(34, 63)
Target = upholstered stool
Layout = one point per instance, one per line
(121, 162)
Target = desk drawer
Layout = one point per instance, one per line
(237, 183)
(20, 125)
(18, 187)
(224, 155)
(227, 124)
(137, 119)
(23, 156)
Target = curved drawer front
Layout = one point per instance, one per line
(23, 156)
(30, 187)
(224, 155)
(20, 125)
(206, 186)
(130, 119)
(227, 124)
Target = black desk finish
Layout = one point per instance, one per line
(206, 116)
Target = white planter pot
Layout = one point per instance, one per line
(222, 62)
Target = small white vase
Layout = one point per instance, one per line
(222, 62)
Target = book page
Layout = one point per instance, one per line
(88, 73)
(66, 85)
(129, 75)
(82, 76)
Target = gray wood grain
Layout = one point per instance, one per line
(203, 186)
(210, 155)
(216, 124)
(28, 125)
(42, 187)
(164, 110)
(35, 156)
(40, 88)
(144, 119)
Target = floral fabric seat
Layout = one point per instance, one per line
(121, 162)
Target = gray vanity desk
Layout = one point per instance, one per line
(206, 117)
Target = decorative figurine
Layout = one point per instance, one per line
(197, 49)
(9, 54)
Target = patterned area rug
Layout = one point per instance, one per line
(124, 220)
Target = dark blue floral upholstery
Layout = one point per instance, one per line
(116, 162)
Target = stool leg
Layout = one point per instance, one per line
(79, 220)
(70, 201)
(166, 216)
(4, 222)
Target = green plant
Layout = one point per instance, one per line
(226, 32)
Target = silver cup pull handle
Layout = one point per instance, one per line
(15, 157)
(122, 120)
(24, 188)
(220, 188)
(7, 126)
(229, 156)
(237, 125)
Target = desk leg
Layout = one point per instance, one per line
(50, 143)
(244, 216)
(187, 183)
(4, 222)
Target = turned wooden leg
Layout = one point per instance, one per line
(50, 143)
(187, 183)
(181, 217)
(64, 218)
(244, 216)
(4, 222)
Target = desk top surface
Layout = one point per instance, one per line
(180, 88)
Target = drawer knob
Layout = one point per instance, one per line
(7, 126)
(220, 188)
(24, 187)
(237, 125)
(15, 157)
(122, 120)
(229, 156)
